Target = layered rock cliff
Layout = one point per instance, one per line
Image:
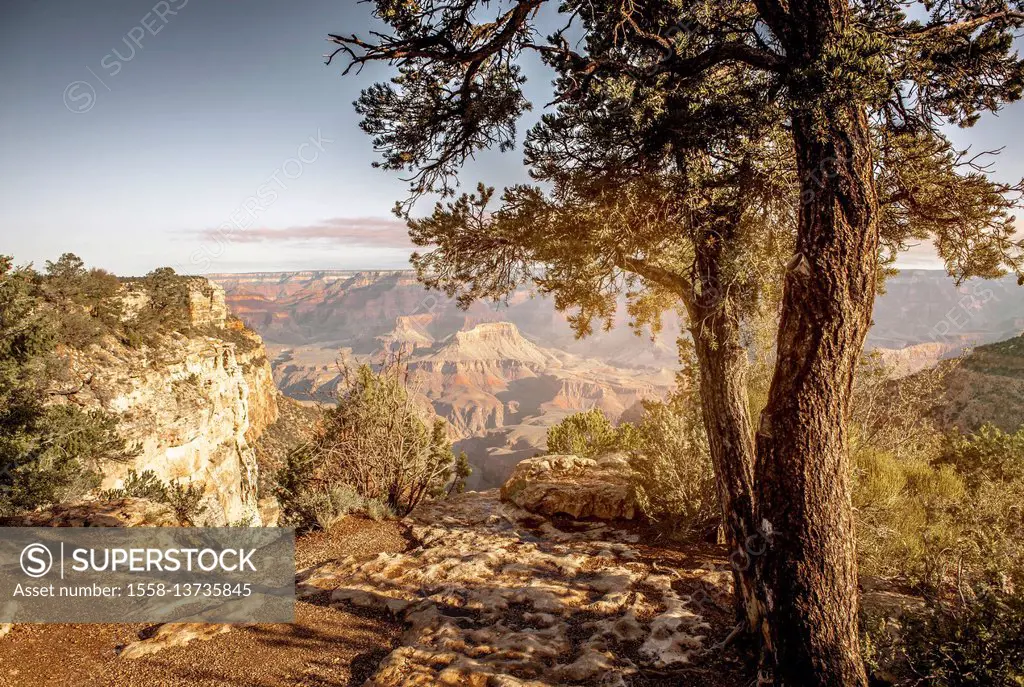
(190, 404)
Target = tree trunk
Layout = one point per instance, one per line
(723, 365)
(807, 579)
(808, 576)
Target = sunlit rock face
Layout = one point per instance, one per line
(573, 486)
(191, 405)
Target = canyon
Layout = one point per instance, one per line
(502, 373)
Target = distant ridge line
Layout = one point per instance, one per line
(407, 271)
(307, 273)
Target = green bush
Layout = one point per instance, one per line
(672, 471)
(139, 486)
(375, 443)
(990, 455)
(670, 466)
(377, 511)
(460, 473)
(587, 434)
(84, 303)
(954, 515)
(307, 503)
(980, 644)
(945, 514)
(166, 308)
(58, 457)
(906, 518)
(184, 499)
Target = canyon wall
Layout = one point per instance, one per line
(191, 405)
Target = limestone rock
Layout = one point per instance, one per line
(573, 486)
(190, 405)
(490, 598)
(173, 634)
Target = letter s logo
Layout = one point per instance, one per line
(36, 560)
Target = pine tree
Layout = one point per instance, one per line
(671, 116)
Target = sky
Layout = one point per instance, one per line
(138, 133)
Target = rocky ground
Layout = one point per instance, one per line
(494, 595)
(470, 591)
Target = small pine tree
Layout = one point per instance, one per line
(587, 435)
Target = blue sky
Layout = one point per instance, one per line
(131, 130)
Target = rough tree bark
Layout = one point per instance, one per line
(715, 324)
(808, 575)
(723, 365)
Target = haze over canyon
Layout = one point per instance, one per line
(502, 374)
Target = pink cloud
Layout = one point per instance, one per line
(371, 232)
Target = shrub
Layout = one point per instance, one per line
(377, 511)
(980, 644)
(308, 503)
(83, 301)
(376, 442)
(460, 473)
(990, 455)
(672, 471)
(184, 499)
(587, 434)
(167, 307)
(50, 453)
(139, 486)
(906, 518)
(59, 457)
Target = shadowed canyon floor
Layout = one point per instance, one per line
(470, 591)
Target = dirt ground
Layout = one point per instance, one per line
(324, 647)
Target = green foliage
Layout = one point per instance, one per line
(990, 455)
(942, 513)
(460, 473)
(49, 452)
(670, 463)
(85, 306)
(672, 471)
(377, 510)
(166, 307)
(587, 434)
(145, 485)
(933, 510)
(907, 524)
(184, 499)
(308, 502)
(980, 644)
(376, 443)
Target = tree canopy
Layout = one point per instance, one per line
(735, 157)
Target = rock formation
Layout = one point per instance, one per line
(493, 595)
(129, 512)
(573, 486)
(191, 405)
(502, 375)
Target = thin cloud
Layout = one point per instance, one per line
(368, 232)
